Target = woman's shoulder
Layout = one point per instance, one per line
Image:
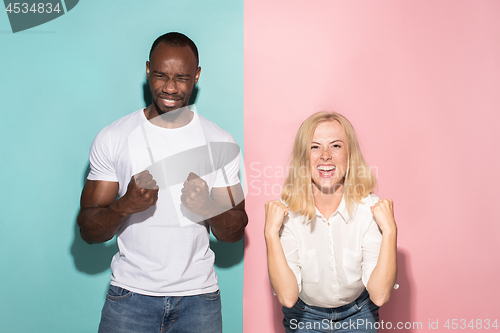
(368, 201)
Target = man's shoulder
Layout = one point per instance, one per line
(119, 129)
(132, 120)
(215, 131)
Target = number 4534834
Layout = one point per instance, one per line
(25, 8)
(472, 324)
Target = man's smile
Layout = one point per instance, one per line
(169, 101)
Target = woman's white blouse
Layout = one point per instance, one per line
(332, 259)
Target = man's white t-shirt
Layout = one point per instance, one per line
(164, 250)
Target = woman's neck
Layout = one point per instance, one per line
(327, 203)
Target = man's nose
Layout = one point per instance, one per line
(170, 87)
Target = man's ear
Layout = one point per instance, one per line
(147, 70)
(197, 76)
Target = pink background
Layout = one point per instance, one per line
(420, 82)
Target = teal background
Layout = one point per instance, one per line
(62, 82)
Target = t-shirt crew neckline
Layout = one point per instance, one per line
(159, 128)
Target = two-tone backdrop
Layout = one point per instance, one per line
(419, 80)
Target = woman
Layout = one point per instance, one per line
(331, 244)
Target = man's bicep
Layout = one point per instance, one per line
(98, 193)
(229, 197)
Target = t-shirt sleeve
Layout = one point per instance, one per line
(371, 242)
(228, 157)
(291, 250)
(101, 165)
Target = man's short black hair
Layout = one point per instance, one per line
(175, 39)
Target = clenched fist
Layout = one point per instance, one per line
(275, 213)
(196, 197)
(142, 192)
(383, 213)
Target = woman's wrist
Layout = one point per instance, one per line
(271, 233)
(391, 231)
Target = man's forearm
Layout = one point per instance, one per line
(100, 224)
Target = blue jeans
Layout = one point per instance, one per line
(128, 312)
(358, 316)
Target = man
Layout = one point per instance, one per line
(176, 176)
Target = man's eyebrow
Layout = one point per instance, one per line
(155, 71)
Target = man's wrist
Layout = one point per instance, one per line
(119, 207)
(212, 209)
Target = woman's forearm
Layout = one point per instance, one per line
(281, 276)
(383, 277)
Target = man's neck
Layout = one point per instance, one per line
(172, 119)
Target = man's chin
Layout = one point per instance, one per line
(165, 110)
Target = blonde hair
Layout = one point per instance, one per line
(359, 180)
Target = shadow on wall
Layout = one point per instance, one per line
(148, 99)
(398, 309)
(227, 254)
(92, 259)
